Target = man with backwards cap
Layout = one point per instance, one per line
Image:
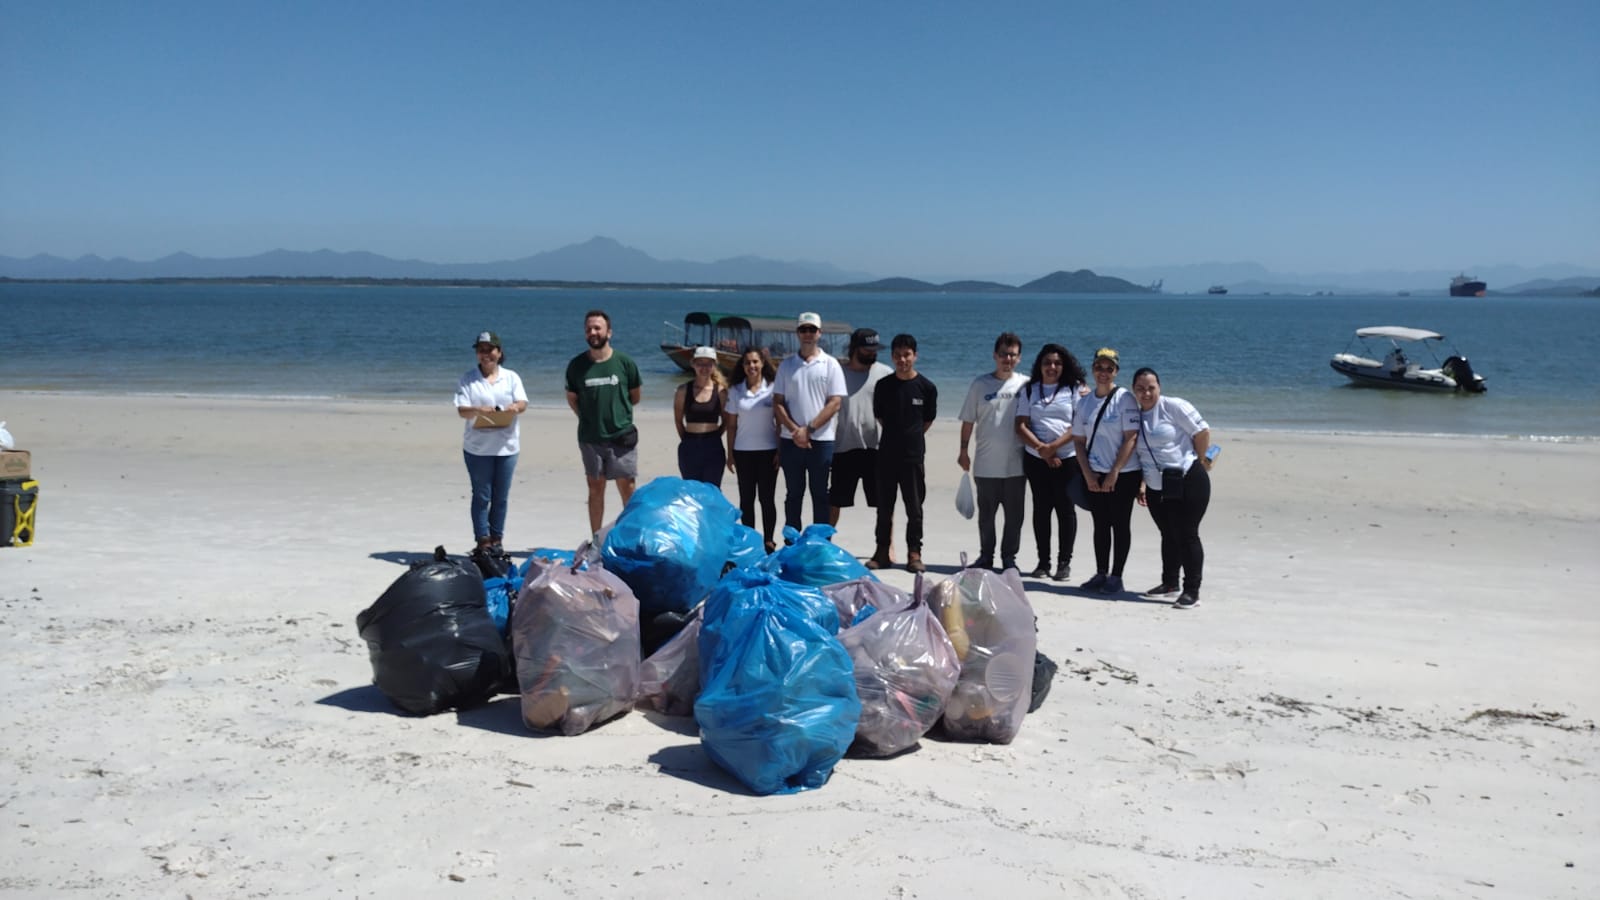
(855, 445)
(806, 398)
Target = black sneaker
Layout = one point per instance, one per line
(1094, 584)
(1063, 572)
(984, 562)
(1160, 592)
(1042, 570)
(1187, 600)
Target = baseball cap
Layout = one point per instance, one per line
(487, 337)
(809, 318)
(865, 337)
(705, 352)
(1108, 353)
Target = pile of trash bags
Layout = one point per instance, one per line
(787, 661)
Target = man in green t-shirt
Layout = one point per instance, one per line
(602, 388)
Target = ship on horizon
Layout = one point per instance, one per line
(1462, 286)
(1216, 289)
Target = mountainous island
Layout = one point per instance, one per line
(605, 262)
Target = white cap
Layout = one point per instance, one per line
(809, 318)
(705, 353)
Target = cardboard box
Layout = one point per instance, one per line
(499, 419)
(15, 464)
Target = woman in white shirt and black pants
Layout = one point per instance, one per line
(1172, 442)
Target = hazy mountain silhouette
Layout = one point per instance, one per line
(597, 259)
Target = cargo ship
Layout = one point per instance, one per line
(1216, 289)
(1462, 286)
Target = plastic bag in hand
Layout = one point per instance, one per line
(670, 543)
(778, 705)
(965, 505)
(576, 636)
(813, 558)
(990, 623)
(432, 643)
(905, 670)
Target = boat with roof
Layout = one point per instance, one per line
(1398, 371)
(730, 333)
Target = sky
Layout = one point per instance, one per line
(961, 139)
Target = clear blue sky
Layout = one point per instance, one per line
(895, 138)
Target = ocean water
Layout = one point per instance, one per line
(1245, 362)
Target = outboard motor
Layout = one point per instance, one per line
(1459, 369)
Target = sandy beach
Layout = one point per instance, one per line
(1389, 689)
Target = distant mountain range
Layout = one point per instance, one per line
(597, 259)
(603, 259)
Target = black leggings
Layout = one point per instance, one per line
(1179, 522)
(1050, 498)
(1112, 512)
(758, 478)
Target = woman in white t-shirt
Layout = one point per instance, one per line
(1172, 442)
(490, 449)
(1044, 426)
(1109, 471)
(753, 441)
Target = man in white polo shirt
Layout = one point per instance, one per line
(805, 401)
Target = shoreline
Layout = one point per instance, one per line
(664, 406)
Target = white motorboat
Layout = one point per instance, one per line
(1398, 371)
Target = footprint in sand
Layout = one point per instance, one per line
(1306, 829)
(1412, 797)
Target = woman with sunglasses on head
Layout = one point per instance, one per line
(1109, 471)
(700, 409)
(1044, 426)
(490, 443)
(1172, 443)
(753, 441)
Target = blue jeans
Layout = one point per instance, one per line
(491, 488)
(800, 468)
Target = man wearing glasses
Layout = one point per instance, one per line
(805, 400)
(989, 413)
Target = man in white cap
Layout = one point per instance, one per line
(805, 400)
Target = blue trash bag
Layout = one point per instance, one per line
(777, 706)
(500, 594)
(670, 543)
(545, 557)
(746, 548)
(813, 558)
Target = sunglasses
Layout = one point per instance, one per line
(486, 348)
(808, 329)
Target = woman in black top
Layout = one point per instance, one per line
(699, 410)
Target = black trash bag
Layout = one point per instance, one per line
(432, 643)
(490, 563)
(656, 631)
(1044, 674)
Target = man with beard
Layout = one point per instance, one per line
(855, 445)
(602, 388)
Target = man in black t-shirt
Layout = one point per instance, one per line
(905, 405)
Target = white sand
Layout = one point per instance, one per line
(190, 712)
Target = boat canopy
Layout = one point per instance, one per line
(1399, 332)
(756, 323)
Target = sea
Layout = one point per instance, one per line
(1249, 362)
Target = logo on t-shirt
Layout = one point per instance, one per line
(602, 381)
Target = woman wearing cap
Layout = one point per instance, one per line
(1173, 440)
(1044, 425)
(489, 442)
(753, 441)
(1111, 474)
(699, 410)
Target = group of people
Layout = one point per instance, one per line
(829, 427)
